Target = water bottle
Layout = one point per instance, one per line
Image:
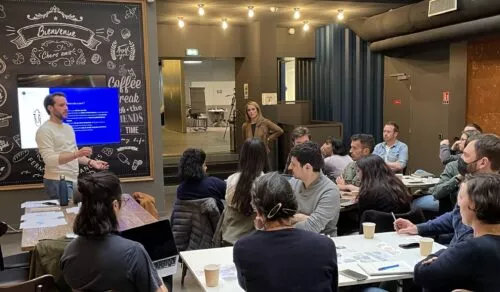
(63, 191)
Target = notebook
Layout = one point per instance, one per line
(372, 269)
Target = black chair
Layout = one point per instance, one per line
(21, 260)
(385, 222)
(44, 283)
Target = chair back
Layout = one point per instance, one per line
(41, 284)
(384, 221)
(3, 228)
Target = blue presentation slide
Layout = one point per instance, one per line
(94, 114)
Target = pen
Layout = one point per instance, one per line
(392, 213)
(388, 267)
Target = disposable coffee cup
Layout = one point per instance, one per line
(426, 246)
(369, 230)
(212, 275)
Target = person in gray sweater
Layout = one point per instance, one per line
(317, 196)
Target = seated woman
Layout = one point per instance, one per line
(195, 182)
(239, 215)
(381, 189)
(99, 259)
(471, 264)
(336, 157)
(279, 257)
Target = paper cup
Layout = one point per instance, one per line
(212, 275)
(368, 230)
(426, 246)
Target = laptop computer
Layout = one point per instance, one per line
(158, 240)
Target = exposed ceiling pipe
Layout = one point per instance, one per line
(447, 33)
(413, 18)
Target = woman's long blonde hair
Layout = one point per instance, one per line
(257, 107)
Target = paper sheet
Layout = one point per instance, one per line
(73, 210)
(42, 216)
(43, 223)
(38, 204)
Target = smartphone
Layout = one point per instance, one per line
(353, 275)
(409, 245)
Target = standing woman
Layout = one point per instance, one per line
(238, 214)
(256, 126)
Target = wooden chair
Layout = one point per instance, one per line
(41, 284)
(21, 260)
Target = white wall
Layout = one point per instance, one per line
(217, 76)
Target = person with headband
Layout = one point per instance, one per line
(471, 264)
(99, 259)
(278, 257)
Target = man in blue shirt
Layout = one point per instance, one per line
(393, 151)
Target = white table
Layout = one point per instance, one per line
(417, 182)
(197, 259)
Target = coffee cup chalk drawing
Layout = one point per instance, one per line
(5, 168)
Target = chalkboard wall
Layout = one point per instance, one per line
(74, 37)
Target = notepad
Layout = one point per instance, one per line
(372, 269)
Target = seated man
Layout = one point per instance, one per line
(317, 196)
(443, 195)
(299, 135)
(361, 146)
(480, 156)
(448, 154)
(393, 151)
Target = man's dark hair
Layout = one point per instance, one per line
(308, 152)
(475, 126)
(191, 165)
(471, 136)
(253, 162)
(488, 145)
(49, 100)
(391, 123)
(338, 146)
(300, 132)
(483, 190)
(366, 140)
(273, 197)
(97, 216)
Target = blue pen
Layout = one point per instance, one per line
(388, 267)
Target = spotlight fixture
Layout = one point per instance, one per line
(224, 23)
(251, 11)
(180, 22)
(296, 13)
(340, 15)
(201, 9)
(273, 9)
(306, 25)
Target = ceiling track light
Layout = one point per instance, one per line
(296, 13)
(201, 9)
(251, 11)
(224, 23)
(180, 22)
(273, 9)
(306, 25)
(340, 15)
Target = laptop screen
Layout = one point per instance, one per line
(157, 238)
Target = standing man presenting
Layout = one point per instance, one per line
(57, 146)
(392, 151)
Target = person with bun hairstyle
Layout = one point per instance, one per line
(278, 257)
(99, 259)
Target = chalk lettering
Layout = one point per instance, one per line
(132, 130)
(132, 118)
(42, 32)
(130, 98)
(125, 83)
